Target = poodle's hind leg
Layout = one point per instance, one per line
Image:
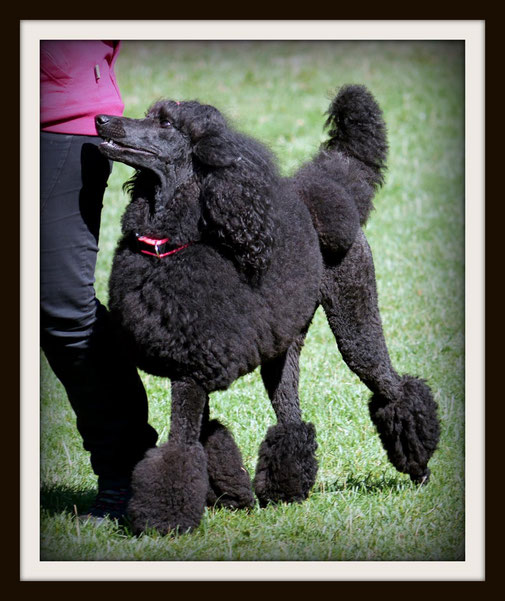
(170, 484)
(229, 482)
(402, 408)
(287, 466)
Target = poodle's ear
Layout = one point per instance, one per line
(215, 151)
(237, 217)
(208, 130)
(236, 211)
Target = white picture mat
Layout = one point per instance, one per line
(472, 32)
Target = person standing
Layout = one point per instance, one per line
(77, 82)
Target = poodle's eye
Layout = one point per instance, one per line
(165, 123)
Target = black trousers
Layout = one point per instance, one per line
(77, 335)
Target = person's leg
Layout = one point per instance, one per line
(77, 336)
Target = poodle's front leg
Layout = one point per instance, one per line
(170, 484)
(287, 466)
(402, 408)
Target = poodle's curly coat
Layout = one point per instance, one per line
(246, 258)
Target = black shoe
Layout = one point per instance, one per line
(109, 504)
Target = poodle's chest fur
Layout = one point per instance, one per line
(191, 314)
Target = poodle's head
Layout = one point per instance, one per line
(172, 149)
(170, 136)
(181, 146)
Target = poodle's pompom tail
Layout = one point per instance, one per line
(357, 128)
(338, 185)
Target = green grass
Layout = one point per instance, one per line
(360, 507)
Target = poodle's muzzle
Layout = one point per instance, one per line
(112, 130)
(109, 125)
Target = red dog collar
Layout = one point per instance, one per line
(158, 246)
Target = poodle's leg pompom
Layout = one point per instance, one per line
(169, 489)
(408, 427)
(287, 466)
(170, 484)
(229, 482)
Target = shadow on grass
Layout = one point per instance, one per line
(57, 499)
(367, 485)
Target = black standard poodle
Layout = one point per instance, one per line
(221, 265)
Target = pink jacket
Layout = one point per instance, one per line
(77, 82)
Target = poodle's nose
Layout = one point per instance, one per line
(102, 119)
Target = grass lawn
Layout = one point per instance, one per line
(360, 507)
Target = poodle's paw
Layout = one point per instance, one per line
(229, 482)
(408, 427)
(287, 466)
(421, 479)
(169, 489)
